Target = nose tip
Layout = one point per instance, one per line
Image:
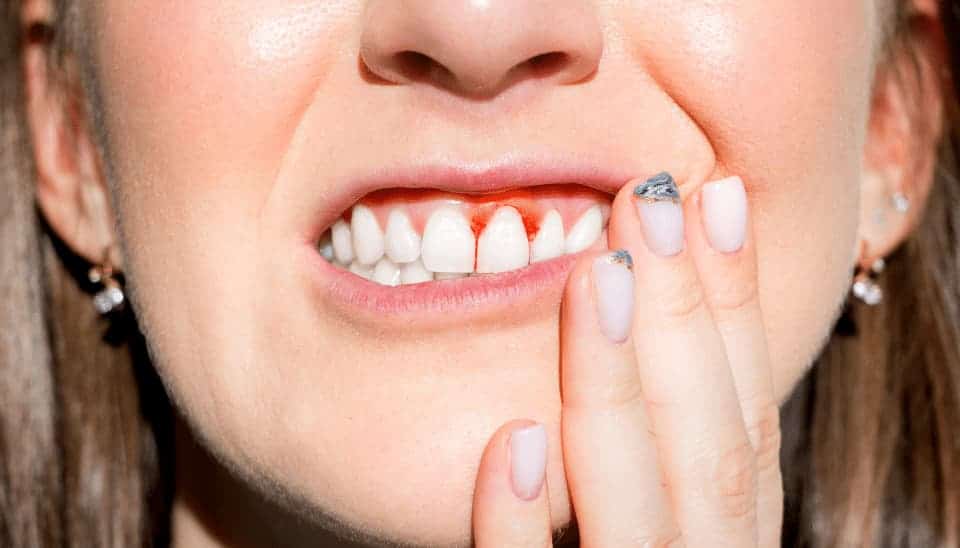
(480, 47)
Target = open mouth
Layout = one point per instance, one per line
(397, 237)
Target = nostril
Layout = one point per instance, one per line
(417, 66)
(547, 64)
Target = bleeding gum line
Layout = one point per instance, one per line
(532, 203)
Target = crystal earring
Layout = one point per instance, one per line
(865, 286)
(901, 204)
(110, 298)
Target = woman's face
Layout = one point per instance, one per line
(238, 132)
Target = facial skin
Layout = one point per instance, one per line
(230, 127)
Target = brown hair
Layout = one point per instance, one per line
(85, 431)
(870, 452)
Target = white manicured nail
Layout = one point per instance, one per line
(724, 207)
(367, 236)
(586, 231)
(661, 215)
(550, 242)
(342, 242)
(528, 461)
(402, 241)
(386, 273)
(613, 287)
(449, 245)
(415, 273)
(504, 245)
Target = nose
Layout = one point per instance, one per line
(481, 47)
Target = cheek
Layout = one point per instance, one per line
(200, 111)
(781, 89)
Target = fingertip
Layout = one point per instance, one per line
(496, 472)
(648, 217)
(528, 460)
(724, 212)
(510, 506)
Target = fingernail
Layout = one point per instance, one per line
(661, 214)
(613, 286)
(528, 461)
(724, 207)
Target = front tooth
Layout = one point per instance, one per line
(342, 242)
(550, 242)
(402, 241)
(586, 231)
(504, 245)
(415, 273)
(367, 236)
(448, 242)
(362, 270)
(386, 273)
(440, 276)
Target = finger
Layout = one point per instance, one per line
(611, 463)
(724, 252)
(691, 399)
(510, 504)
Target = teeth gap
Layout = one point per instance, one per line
(448, 248)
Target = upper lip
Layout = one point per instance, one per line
(470, 178)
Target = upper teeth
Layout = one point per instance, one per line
(403, 242)
(550, 241)
(586, 231)
(448, 248)
(449, 245)
(342, 242)
(367, 237)
(503, 246)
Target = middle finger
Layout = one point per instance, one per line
(688, 385)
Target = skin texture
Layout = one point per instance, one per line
(227, 126)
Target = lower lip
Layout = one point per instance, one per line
(442, 302)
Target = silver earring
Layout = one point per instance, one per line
(110, 298)
(865, 286)
(901, 204)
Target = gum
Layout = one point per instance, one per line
(570, 201)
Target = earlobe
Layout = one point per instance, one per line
(906, 124)
(70, 187)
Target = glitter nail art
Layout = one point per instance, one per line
(659, 188)
(622, 257)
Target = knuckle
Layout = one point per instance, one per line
(533, 538)
(767, 437)
(624, 394)
(681, 302)
(617, 389)
(735, 482)
(665, 538)
(730, 294)
(668, 539)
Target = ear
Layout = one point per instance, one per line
(906, 124)
(71, 190)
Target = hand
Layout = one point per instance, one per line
(670, 427)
